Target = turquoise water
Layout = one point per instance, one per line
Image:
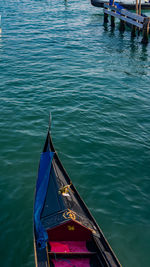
(57, 56)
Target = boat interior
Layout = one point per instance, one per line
(72, 244)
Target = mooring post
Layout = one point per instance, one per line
(112, 21)
(136, 6)
(133, 31)
(139, 12)
(140, 7)
(145, 30)
(105, 17)
(111, 3)
(122, 26)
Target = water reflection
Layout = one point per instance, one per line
(144, 54)
(66, 3)
(0, 24)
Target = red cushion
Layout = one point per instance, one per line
(59, 247)
(68, 246)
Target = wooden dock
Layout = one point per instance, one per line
(135, 21)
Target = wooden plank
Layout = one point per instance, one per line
(132, 22)
(125, 12)
(113, 14)
(132, 15)
(88, 253)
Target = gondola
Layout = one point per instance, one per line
(65, 232)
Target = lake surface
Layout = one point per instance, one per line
(57, 56)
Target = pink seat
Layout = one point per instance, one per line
(59, 247)
(68, 246)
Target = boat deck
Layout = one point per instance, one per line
(65, 207)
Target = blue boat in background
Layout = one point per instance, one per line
(128, 4)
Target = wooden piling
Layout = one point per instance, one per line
(122, 26)
(145, 30)
(133, 31)
(105, 18)
(137, 22)
(112, 22)
(140, 7)
(136, 6)
(113, 18)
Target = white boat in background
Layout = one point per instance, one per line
(128, 4)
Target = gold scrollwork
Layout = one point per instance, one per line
(69, 214)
